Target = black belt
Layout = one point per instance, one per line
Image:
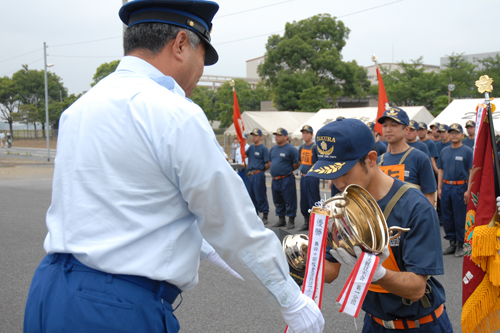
(165, 290)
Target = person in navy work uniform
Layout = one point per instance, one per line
(454, 163)
(417, 165)
(258, 163)
(436, 135)
(445, 138)
(309, 187)
(404, 293)
(284, 159)
(431, 145)
(412, 141)
(381, 147)
(134, 208)
(470, 126)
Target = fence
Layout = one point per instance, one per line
(34, 135)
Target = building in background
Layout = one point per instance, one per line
(473, 58)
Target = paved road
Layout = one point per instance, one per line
(220, 303)
(28, 153)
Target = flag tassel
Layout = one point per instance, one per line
(484, 300)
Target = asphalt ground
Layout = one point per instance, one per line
(220, 303)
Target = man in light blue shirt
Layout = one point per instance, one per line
(139, 182)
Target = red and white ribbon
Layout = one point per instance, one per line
(354, 292)
(315, 266)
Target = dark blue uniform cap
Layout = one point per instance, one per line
(371, 125)
(195, 15)
(396, 114)
(307, 128)
(413, 125)
(422, 125)
(281, 131)
(256, 131)
(470, 123)
(455, 127)
(443, 128)
(340, 145)
(435, 125)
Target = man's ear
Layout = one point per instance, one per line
(180, 44)
(372, 158)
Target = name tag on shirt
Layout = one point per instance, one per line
(459, 158)
(257, 153)
(394, 242)
(407, 173)
(282, 154)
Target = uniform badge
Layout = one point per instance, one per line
(392, 112)
(323, 149)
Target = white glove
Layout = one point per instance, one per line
(303, 316)
(214, 259)
(498, 204)
(344, 258)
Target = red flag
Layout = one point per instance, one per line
(238, 126)
(480, 285)
(382, 101)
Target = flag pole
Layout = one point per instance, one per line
(484, 85)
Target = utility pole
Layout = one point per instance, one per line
(46, 100)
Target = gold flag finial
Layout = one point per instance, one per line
(232, 83)
(484, 84)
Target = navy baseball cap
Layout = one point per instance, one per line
(307, 128)
(281, 131)
(443, 128)
(256, 131)
(435, 125)
(396, 114)
(195, 15)
(470, 123)
(340, 145)
(422, 125)
(455, 127)
(371, 125)
(413, 125)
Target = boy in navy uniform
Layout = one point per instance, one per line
(309, 186)
(417, 165)
(284, 159)
(470, 126)
(431, 145)
(445, 138)
(381, 147)
(258, 163)
(412, 141)
(436, 135)
(454, 163)
(406, 294)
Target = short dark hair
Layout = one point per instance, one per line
(153, 37)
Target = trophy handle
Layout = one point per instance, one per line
(399, 232)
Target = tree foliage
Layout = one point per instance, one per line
(9, 100)
(463, 74)
(205, 98)
(104, 70)
(307, 56)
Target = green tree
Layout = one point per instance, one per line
(491, 67)
(309, 55)
(205, 98)
(440, 103)
(411, 85)
(30, 85)
(104, 70)
(248, 99)
(57, 108)
(9, 100)
(27, 114)
(463, 74)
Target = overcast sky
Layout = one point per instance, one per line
(81, 35)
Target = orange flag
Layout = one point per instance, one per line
(382, 102)
(238, 125)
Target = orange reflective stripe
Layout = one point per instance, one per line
(306, 156)
(395, 171)
(389, 263)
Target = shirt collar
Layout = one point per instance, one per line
(142, 67)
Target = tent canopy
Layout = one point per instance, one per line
(462, 110)
(269, 121)
(365, 114)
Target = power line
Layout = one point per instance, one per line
(31, 63)
(238, 40)
(365, 10)
(20, 55)
(253, 9)
(89, 41)
(68, 56)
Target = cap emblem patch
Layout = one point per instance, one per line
(323, 149)
(329, 169)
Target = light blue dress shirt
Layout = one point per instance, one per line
(140, 180)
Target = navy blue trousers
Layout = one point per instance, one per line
(258, 192)
(243, 176)
(440, 325)
(453, 211)
(66, 296)
(309, 194)
(285, 196)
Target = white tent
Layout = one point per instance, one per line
(461, 110)
(365, 114)
(270, 121)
